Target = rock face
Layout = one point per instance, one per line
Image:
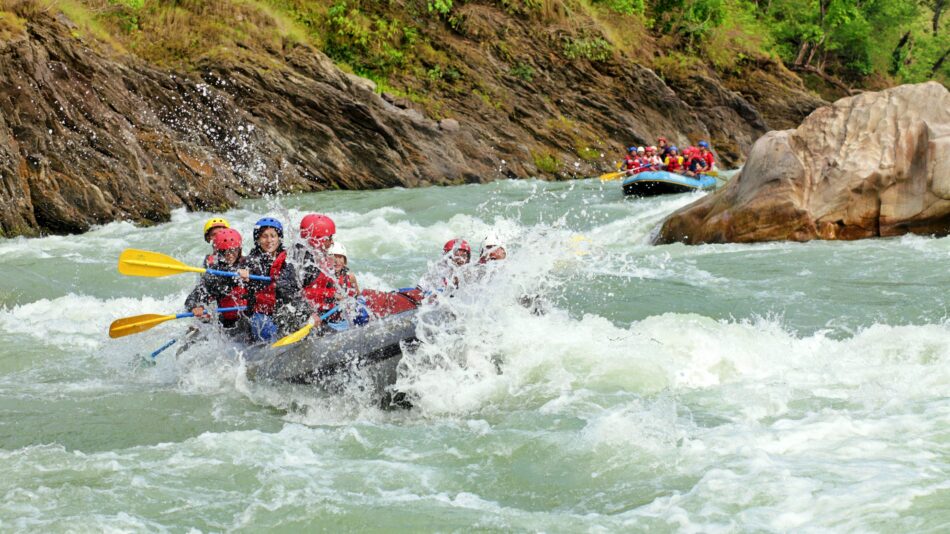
(876, 164)
(88, 139)
(89, 136)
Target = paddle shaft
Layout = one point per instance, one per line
(163, 347)
(233, 274)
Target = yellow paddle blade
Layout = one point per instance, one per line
(133, 325)
(610, 176)
(714, 173)
(133, 262)
(295, 337)
(580, 245)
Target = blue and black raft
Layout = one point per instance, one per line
(652, 183)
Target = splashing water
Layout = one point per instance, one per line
(771, 387)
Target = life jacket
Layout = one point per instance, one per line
(674, 163)
(696, 162)
(321, 291)
(233, 299)
(266, 300)
(630, 162)
(642, 165)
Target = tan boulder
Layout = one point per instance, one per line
(875, 164)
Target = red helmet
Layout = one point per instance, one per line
(226, 239)
(457, 244)
(316, 226)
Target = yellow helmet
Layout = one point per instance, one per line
(216, 222)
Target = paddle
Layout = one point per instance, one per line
(614, 175)
(140, 323)
(134, 262)
(290, 339)
(189, 339)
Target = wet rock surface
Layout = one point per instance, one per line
(89, 136)
(876, 164)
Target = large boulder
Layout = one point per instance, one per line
(875, 164)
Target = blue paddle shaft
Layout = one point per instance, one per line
(233, 274)
(163, 347)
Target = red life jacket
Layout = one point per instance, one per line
(233, 299)
(630, 162)
(674, 163)
(321, 292)
(266, 300)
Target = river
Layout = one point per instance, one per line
(769, 387)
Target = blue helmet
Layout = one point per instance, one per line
(268, 222)
(632, 149)
(703, 144)
(674, 148)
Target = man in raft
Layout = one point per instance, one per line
(212, 227)
(314, 265)
(220, 291)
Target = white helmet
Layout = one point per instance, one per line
(337, 249)
(492, 240)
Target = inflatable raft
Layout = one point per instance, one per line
(652, 183)
(329, 358)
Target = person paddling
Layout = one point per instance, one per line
(707, 155)
(448, 273)
(652, 159)
(220, 291)
(674, 162)
(630, 161)
(212, 227)
(457, 254)
(312, 260)
(271, 305)
(347, 288)
(695, 163)
(492, 249)
(663, 147)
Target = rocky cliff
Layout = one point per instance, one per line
(876, 164)
(88, 135)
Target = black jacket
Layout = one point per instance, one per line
(289, 306)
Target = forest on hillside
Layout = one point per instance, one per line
(837, 46)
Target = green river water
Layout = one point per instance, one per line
(725, 388)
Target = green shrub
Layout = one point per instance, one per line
(441, 7)
(523, 71)
(593, 49)
(624, 7)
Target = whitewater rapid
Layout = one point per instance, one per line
(772, 387)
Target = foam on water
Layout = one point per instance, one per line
(765, 387)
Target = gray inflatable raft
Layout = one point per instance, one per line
(373, 350)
